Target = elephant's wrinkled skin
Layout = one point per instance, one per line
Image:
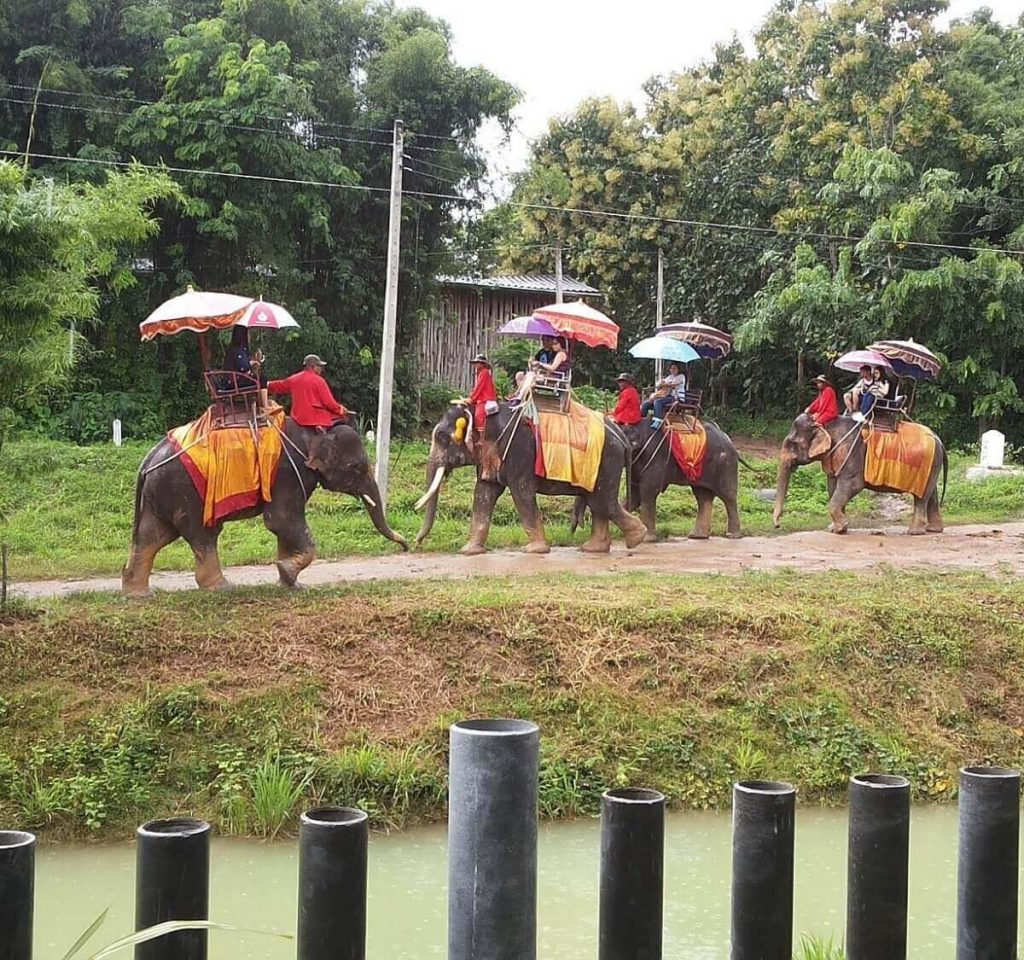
(841, 453)
(447, 452)
(167, 505)
(654, 469)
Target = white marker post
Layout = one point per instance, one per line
(117, 433)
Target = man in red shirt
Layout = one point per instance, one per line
(627, 410)
(825, 407)
(313, 404)
(483, 392)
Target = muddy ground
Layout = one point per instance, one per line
(995, 548)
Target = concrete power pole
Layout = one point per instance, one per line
(660, 308)
(558, 271)
(387, 353)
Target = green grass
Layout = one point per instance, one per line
(66, 511)
(246, 708)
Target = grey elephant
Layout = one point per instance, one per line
(167, 505)
(840, 449)
(655, 469)
(517, 451)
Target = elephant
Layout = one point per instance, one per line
(167, 505)
(842, 453)
(452, 447)
(654, 469)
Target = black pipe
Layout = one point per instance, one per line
(17, 886)
(763, 814)
(332, 884)
(877, 865)
(492, 840)
(172, 882)
(632, 874)
(986, 921)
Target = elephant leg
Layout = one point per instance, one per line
(600, 538)
(705, 506)
(531, 519)
(919, 521)
(634, 531)
(935, 524)
(209, 575)
(295, 552)
(152, 535)
(732, 512)
(649, 516)
(485, 495)
(837, 511)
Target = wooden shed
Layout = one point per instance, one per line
(470, 312)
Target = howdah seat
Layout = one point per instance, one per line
(551, 392)
(684, 414)
(235, 398)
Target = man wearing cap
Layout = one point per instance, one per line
(627, 410)
(825, 407)
(483, 391)
(313, 404)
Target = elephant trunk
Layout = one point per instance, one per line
(434, 478)
(372, 501)
(787, 464)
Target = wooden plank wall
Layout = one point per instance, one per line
(465, 326)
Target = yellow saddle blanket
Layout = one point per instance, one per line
(230, 468)
(902, 460)
(569, 445)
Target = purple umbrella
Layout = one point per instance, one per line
(528, 327)
(855, 359)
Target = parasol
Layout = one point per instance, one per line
(578, 321)
(852, 362)
(709, 342)
(664, 348)
(260, 315)
(909, 359)
(527, 327)
(194, 310)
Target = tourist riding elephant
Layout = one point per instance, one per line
(167, 505)
(514, 444)
(841, 449)
(655, 469)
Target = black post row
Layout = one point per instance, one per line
(17, 891)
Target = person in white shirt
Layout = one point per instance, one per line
(670, 388)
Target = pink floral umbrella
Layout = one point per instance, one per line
(261, 315)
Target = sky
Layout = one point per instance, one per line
(559, 52)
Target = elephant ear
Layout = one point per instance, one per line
(821, 443)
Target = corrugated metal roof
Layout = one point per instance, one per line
(528, 283)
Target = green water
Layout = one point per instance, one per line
(253, 885)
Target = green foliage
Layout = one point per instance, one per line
(818, 948)
(59, 243)
(839, 184)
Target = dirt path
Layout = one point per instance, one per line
(990, 548)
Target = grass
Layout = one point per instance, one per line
(66, 511)
(246, 708)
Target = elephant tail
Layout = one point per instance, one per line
(749, 466)
(945, 474)
(139, 481)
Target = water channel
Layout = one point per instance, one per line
(253, 885)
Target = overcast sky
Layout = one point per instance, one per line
(558, 52)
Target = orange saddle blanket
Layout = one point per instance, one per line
(902, 460)
(689, 448)
(232, 468)
(569, 445)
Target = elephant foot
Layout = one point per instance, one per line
(734, 535)
(136, 593)
(650, 537)
(697, 535)
(472, 549)
(537, 546)
(223, 585)
(935, 528)
(833, 528)
(598, 546)
(634, 537)
(916, 531)
(287, 573)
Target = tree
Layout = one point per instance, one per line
(63, 248)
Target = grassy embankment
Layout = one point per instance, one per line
(244, 707)
(67, 511)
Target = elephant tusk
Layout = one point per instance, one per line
(370, 502)
(434, 486)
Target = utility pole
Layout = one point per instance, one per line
(387, 353)
(660, 305)
(558, 271)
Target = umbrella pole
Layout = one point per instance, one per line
(204, 349)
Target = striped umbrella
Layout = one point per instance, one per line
(578, 321)
(909, 359)
(709, 342)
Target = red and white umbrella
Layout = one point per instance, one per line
(579, 321)
(261, 315)
(852, 362)
(194, 310)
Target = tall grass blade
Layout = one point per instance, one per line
(89, 931)
(174, 926)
